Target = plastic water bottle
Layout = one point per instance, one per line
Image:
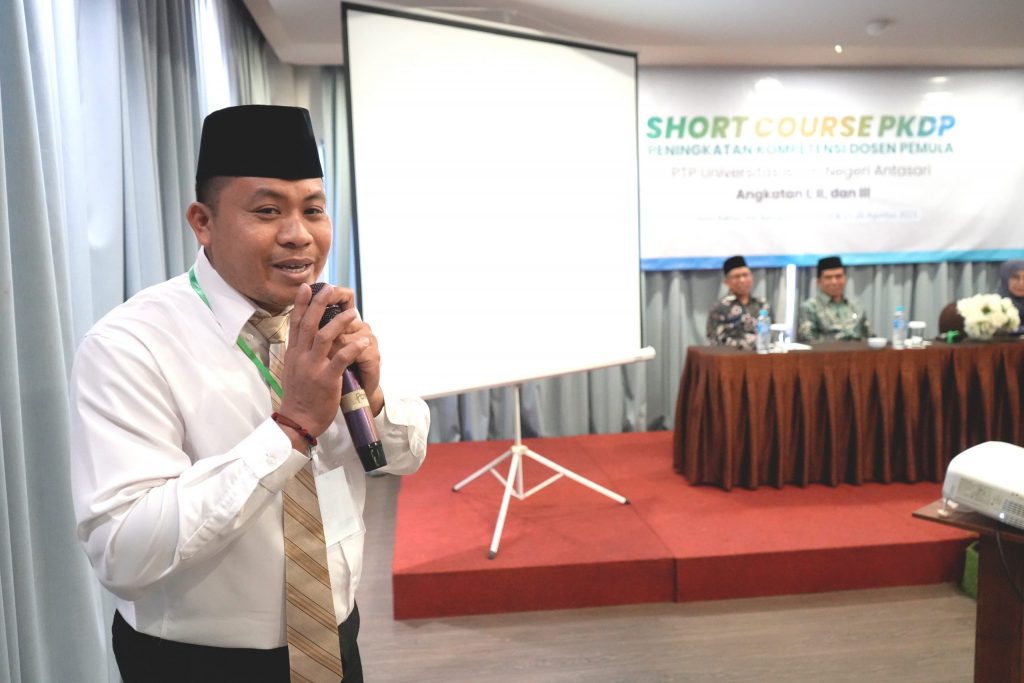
(764, 331)
(899, 329)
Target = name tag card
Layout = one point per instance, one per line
(340, 516)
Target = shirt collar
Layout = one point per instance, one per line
(826, 299)
(230, 308)
(732, 298)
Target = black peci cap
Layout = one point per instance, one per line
(260, 141)
(733, 262)
(828, 263)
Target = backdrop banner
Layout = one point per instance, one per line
(880, 166)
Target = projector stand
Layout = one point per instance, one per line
(514, 482)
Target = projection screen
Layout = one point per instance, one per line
(495, 201)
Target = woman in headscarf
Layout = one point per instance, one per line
(1011, 284)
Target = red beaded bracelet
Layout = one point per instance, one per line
(288, 422)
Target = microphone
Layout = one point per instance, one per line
(356, 407)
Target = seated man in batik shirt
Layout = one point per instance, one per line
(829, 315)
(733, 320)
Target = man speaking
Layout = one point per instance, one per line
(206, 423)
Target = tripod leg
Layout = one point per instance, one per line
(509, 483)
(576, 478)
(483, 470)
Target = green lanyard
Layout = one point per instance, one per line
(241, 342)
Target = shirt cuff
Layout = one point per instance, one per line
(272, 458)
(396, 413)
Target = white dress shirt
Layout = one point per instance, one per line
(177, 469)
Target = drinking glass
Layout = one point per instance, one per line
(779, 341)
(916, 340)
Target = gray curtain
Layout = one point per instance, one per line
(97, 147)
(246, 53)
(160, 123)
(336, 167)
(47, 596)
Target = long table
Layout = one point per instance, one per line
(842, 412)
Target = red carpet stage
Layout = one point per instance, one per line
(567, 546)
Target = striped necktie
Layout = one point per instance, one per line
(313, 648)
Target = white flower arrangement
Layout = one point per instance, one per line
(988, 314)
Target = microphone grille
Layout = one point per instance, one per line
(329, 314)
(331, 311)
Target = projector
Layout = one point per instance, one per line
(988, 479)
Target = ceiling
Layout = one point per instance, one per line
(948, 33)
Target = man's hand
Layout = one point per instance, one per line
(368, 359)
(315, 360)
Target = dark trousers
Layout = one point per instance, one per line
(351, 663)
(143, 658)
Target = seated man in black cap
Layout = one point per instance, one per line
(732, 321)
(829, 315)
(198, 409)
